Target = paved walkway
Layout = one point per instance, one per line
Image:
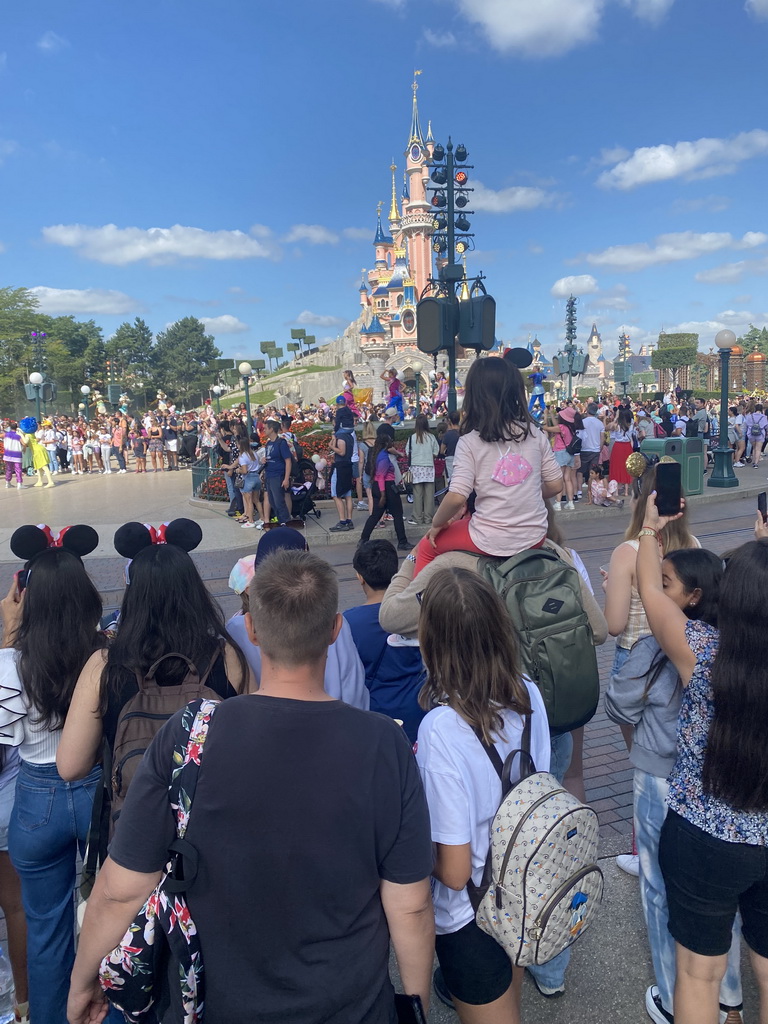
(610, 966)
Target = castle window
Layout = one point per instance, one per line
(400, 300)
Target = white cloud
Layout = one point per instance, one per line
(708, 204)
(439, 39)
(545, 28)
(671, 248)
(307, 318)
(358, 234)
(704, 158)
(98, 301)
(757, 7)
(732, 273)
(7, 148)
(51, 42)
(612, 155)
(224, 324)
(649, 10)
(120, 246)
(740, 316)
(511, 199)
(582, 284)
(315, 234)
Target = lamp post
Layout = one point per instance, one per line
(36, 380)
(216, 389)
(85, 391)
(722, 474)
(245, 370)
(417, 368)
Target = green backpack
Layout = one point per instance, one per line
(542, 594)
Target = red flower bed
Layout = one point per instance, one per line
(214, 488)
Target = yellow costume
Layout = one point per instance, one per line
(39, 458)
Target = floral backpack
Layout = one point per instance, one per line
(130, 974)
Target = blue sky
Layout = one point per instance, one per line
(620, 151)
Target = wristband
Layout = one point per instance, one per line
(648, 531)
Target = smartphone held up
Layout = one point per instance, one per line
(669, 488)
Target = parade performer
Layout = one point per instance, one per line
(395, 392)
(348, 394)
(440, 396)
(537, 395)
(12, 446)
(28, 428)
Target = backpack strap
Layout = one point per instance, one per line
(192, 677)
(187, 758)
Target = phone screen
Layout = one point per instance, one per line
(669, 488)
(761, 506)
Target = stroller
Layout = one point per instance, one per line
(304, 490)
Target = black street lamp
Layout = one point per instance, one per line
(570, 361)
(722, 474)
(36, 380)
(417, 368)
(85, 391)
(216, 389)
(245, 370)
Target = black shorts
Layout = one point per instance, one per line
(475, 968)
(343, 480)
(707, 881)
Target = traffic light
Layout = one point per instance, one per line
(48, 392)
(477, 322)
(113, 394)
(436, 324)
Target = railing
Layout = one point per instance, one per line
(202, 470)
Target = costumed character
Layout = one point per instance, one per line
(348, 394)
(440, 396)
(40, 462)
(395, 393)
(537, 395)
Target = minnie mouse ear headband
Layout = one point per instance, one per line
(132, 538)
(638, 462)
(519, 357)
(29, 541)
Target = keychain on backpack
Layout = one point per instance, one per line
(510, 469)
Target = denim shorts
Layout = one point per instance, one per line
(564, 458)
(251, 482)
(707, 881)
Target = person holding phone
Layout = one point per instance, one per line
(714, 841)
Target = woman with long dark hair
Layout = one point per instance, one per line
(645, 695)
(166, 609)
(475, 687)
(503, 457)
(385, 496)
(623, 438)
(49, 632)
(422, 449)
(713, 850)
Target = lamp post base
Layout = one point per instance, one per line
(722, 474)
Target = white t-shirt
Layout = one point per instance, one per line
(592, 434)
(507, 520)
(464, 792)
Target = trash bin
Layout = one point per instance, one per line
(690, 452)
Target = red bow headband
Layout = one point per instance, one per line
(29, 541)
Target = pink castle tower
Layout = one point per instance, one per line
(403, 256)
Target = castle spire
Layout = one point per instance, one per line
(393, 212)
(381, 238)
(416, 134)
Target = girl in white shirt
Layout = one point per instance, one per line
(474, 686)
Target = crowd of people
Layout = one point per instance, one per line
(300, 833)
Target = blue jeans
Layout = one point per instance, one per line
(48, 826)
(552, 973)
(650, 803)
(52, 464)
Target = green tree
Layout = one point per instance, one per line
(130, 351)
(675, 351)
(18, 318)
(182, 358)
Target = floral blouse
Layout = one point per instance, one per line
(686, 795)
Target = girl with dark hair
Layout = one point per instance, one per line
(49, 632)
(474, 688)
(384, 491)
(645, 695)
(713, 849)
(422, 449)
(166, 609)
(569, 423)
(503, 457)
(624, 439)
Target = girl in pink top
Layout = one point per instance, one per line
(506, 460)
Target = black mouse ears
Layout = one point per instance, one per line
(132, 538)
(29, 541)
(519, 357)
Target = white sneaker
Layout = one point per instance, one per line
(556, 506)
(738, 465)
(122, 471)
(569, 506)
(655, 1008)
(259, 523)
(7, 484)
(247, 526)
(19, 486)
(629, 862)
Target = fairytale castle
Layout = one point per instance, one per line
(384, 333)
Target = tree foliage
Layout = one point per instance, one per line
(182, 358)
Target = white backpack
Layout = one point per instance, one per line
(541, 886)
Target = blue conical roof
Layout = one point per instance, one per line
(374, 327)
